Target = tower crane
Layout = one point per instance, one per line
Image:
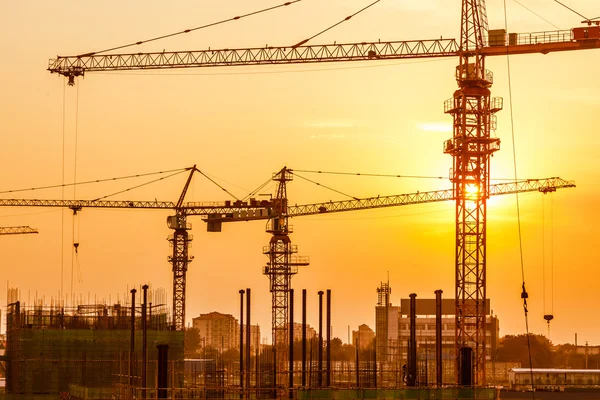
(471, 107)
(283, 263)
(230, 211)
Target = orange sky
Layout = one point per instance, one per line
(242, 124)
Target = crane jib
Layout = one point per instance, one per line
(513, 43)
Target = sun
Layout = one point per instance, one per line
(471, 191)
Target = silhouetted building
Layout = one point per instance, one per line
(363, 337)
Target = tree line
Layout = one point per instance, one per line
(544, 354)
(537, 351)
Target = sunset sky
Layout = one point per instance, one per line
(240, 125)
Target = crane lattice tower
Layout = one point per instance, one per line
(282, 266)
(471, 147)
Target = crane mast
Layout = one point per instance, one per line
(471, 148)
(180, 258)
(282, 266)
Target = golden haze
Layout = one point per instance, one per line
(242, 124)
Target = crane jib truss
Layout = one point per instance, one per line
(525, 43)
(228, 211)
(531, 185)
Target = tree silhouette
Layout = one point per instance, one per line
(515, 349)
(191, 344)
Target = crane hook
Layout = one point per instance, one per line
(76, 246)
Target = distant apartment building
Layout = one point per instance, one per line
(363, 337)
(219, 331)
(310, 331)
(222, 332)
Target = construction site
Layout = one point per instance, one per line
(424, 346)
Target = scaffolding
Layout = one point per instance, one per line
(85, 350)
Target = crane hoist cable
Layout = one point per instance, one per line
(75, 216)
(524, 294)
(552, 254)
(62, 214)
(190, 29)
(548, 316)
(79, 272)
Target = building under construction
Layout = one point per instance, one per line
(90, 351)
(393, 339)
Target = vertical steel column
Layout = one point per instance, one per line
(375, 368)
(303, 337)
(357, 360)
(328, 330)
(412, 342)
(248, 326)
(466, 366)
(256, 359)
(241, 342)
(132, 339)
(438, 337)
(162, 381)
(274, 371)
(144, 341)
(291, 329)
(320, 376)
